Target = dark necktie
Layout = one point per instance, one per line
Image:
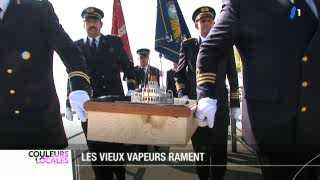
(93, 46)
(146, 76)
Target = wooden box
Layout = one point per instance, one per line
(149, 124)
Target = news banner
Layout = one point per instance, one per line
(65, 164)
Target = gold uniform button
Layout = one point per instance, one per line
(12, 92)
(304, 84)
(304, 109)
(305, 58)
(17, 112)
(9, 71)
(26, 55)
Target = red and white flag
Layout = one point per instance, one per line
(119, 27)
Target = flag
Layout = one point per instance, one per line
(119, 27)
(171, 29)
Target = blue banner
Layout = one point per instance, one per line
(171, 29)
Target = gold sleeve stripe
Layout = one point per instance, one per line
(131, 81)
(179, 86)
(237, 94)
(234, 96)
(206, 78)
(79, 74)
(206, 81)
(206, 74)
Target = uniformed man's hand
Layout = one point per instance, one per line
(77, 99)
(236, 113)
(68, 114)
(206, 111)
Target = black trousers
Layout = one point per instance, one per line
(101, 169)
(213, 142)
(274, 128)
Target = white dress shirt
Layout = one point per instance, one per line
(3, 5)
(146, 69)
(97, 40)
(202, 38)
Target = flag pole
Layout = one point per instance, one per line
(161, 72)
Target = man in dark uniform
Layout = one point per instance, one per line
(145, 72)
(279, 44)
(212, 141)
(171, 80)
(30, 113)
(105, 56)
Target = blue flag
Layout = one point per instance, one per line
(171, 29)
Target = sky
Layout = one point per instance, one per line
(140, 18)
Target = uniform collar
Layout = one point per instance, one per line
(145, 68)
(90, 40)
(4, 5)
(201, 39)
